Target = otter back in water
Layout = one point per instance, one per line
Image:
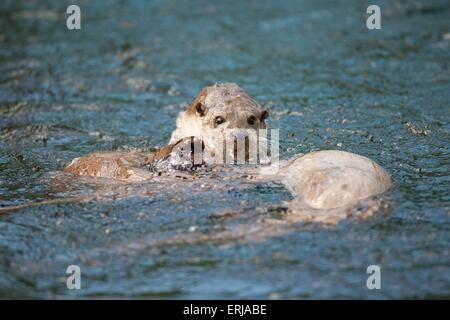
(331, 179)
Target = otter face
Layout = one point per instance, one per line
(221, 112)
(228, 107)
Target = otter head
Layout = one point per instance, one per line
(221, 112)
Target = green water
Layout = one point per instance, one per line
(118, 84)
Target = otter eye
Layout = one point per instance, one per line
(219, 120)
(251, 120)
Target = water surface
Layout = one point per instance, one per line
(118, 84)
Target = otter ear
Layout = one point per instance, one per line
(264, 115)
(200, 109)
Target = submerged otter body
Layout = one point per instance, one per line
(320, 180)
(127, 166)
(332, 179)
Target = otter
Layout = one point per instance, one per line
(320, 180)
(218, 112)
